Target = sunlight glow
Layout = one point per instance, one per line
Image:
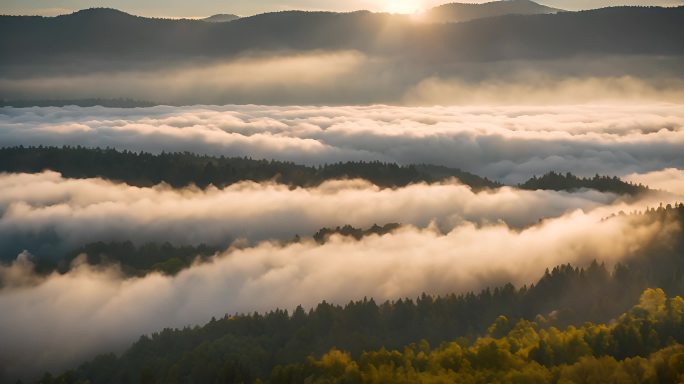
(403, 6)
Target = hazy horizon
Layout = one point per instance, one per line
(205, 8)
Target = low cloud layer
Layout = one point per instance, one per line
(540, 89)
(62, 320)
(47, 214)
(276, 78)
(342, 77)
(505, 143)
(669, 180)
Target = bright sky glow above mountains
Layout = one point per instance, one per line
(203, 8)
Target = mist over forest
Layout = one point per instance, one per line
(293, 57)
(420, 193)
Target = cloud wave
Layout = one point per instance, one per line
(506, 143)
(47, 214)
(670, 180)
(64, 319)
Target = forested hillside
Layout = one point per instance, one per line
(183, 169)
(521, 324)
(133, 260)
(107, 33)
(472, 193)
(457, 12)
(644, 345)
(569, 182)
(167, 258)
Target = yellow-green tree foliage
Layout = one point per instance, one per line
(643, 345)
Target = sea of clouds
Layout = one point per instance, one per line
(48, 215)
(453, 239)
(505, 143)
(56, 321)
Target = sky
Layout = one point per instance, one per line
(202, 8)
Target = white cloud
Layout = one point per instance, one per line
(670, 180)
(507, 143)
(67, 213)
(341, 77)
(65, 319)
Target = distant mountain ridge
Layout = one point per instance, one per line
(93, 102)
(457, 12)
(221, 18)
(105, 34)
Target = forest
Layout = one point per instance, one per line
(316, 191)
(574, 325)
(642, 346)
(139, 260)
(533, 36)
(569, 182)
(133, 260)
(184, 169)
(365, 340)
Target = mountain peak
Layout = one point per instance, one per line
(221, 18)
(456, 12)
(99, 12)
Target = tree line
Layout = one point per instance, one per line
(644, 345)
(181, 169)
(133, 260)
(167, 258)
(170, 259)
(184, 169)
(107, 34)
(569, 182)
(492, 334)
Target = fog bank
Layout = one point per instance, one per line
(65, 319)
(670, 180)
(504, 143)
(47, 214)
(343, 77)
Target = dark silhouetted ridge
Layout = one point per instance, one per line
(569, 182)
(97, 13)
(104, 34)
(221, 18)
(456, 12)
(183, 169)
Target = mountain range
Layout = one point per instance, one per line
(456, 12)
(104, 34)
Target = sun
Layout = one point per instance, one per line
(403, 6)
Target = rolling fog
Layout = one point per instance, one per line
(505, 119)
(57, 321)
(344, 77)
(508, 143)
(67, 213)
